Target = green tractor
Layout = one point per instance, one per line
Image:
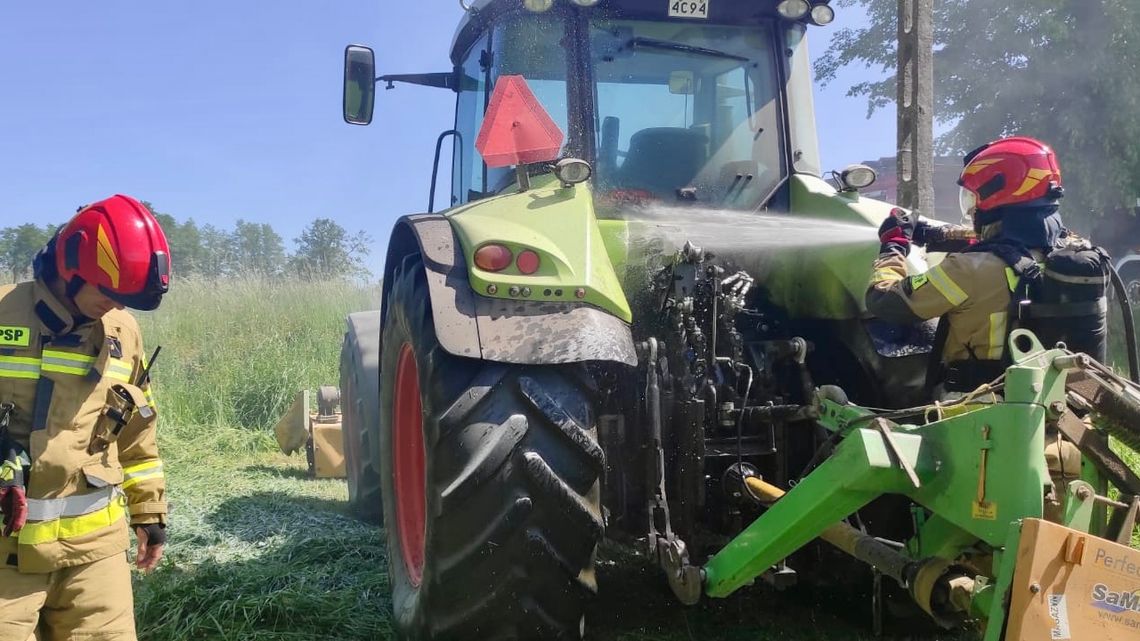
(640, 317)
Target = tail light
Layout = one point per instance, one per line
(527, 262)
(493, 257)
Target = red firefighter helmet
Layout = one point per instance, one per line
(116, 245)
(1009, 171)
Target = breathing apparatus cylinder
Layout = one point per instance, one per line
(1068, 302)
(1065, 302)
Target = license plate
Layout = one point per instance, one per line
(689, 9)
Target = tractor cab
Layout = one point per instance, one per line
(669, 102)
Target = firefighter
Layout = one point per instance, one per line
(1010, 191)
(78, 457)
(1025, 269)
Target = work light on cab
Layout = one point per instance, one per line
(572, 171)
(527, 262)
(493, 257)
(793, 9)
(822, 14)
(856, 177)
(538, 6)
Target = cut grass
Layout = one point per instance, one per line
(258, 551)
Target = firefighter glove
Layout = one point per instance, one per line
(155, 533)
(13, 498)
(897, 233)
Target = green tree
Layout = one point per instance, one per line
(1064, 71)
(250, 249)
(18, 246)
(186, 248)
(326, 250)
(257, 249)
(217, 257)
(184, 240)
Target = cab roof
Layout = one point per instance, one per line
(731, 12)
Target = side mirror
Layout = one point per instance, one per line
(359, 84)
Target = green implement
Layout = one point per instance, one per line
(980, 479)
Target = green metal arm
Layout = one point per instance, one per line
(976, 473)
(860, 470)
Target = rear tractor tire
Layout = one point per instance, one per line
(360, 411)
(490, 482)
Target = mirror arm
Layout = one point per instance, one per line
(442, 80)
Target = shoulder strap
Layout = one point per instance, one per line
(1017, 257)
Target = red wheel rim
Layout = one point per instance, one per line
(409, 465)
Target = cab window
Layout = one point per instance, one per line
(468, 173)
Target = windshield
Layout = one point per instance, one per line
(687, 112)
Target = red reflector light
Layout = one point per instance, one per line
(493, 258)
(527, 262)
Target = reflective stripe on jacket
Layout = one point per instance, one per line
(79, 503)
(973, 290)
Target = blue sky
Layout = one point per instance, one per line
(227, 109)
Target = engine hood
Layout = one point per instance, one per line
(813, 261)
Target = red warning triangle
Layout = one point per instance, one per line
(517, 130)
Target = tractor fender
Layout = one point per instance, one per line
(1126, 260)
(507, 331)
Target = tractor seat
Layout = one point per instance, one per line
(663, 159)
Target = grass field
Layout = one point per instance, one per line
(260, 552)
(256, 550)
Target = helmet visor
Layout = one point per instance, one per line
(158, 283)
(146, 301)
(968, 203)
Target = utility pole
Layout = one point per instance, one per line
(916, 106)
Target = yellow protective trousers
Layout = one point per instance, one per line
(92, 602)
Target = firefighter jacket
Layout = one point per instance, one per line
(58, 374)
(971, 291)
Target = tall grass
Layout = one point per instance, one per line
(257, 551)
(234, 352)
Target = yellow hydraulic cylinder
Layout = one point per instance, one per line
(843, 536)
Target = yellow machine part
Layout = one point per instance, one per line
(292, 431)
(1072, 585)
(326, 449)
(319, 435)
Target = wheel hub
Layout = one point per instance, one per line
(409, 465)
(1132, 288)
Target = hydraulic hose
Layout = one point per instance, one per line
(1129, 324)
